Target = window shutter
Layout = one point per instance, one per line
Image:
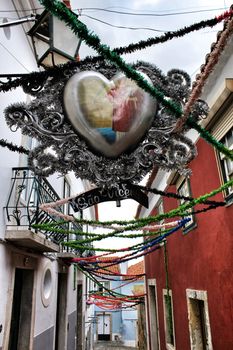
(223, 125)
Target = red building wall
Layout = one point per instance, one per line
(202, 259)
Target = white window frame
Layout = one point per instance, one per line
(199, 295)
(169, 346)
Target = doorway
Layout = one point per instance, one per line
(154, 327)
(104, 326)
(61, 321)
(199, 324)
(80, 316)
(21, 314)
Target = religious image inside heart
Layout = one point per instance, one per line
(112, 115)
(111, 110)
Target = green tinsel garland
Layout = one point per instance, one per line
(61, 11)
(56, 70)
(12, 147)
(50, 227)
(182, 210)
(53, 226)
(78, 245)
(210, 139)
(171, 34)
(115, 234)
(174, 212)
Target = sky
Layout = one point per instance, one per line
(186, 53)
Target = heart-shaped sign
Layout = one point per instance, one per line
(111, 115)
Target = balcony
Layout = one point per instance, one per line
(27, 193)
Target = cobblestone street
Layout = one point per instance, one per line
(106, 345)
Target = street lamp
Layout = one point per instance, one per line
(53, 42)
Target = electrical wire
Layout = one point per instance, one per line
(126, 13)
(123, 27)
(12, 55)
(26, 10)
(148, 14)
(167, 10)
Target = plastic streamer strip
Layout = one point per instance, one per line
(119, 232)
(54, 71)
(146, 249)
(61, 11)
(92, 40)
(49, 207)
(208, 68)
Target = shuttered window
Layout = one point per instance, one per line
(223, 125)
(223, 132)
(226, 163)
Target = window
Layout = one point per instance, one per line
(103, 286)
(222, 131)
(226, 164)
(184, 189)
(168, 320)
(199, 326)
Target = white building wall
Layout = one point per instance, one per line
(17, 57)
(13, 50)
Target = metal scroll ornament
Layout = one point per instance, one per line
(96, 122)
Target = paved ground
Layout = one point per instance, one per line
(107, 345)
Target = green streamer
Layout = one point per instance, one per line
(50, 227)
(61, 11)
(182, 210)
(134, 224)
(210, 139)
(77, 245)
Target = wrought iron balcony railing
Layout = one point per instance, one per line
(27, 193)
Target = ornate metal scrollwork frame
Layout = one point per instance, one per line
(61, 149)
